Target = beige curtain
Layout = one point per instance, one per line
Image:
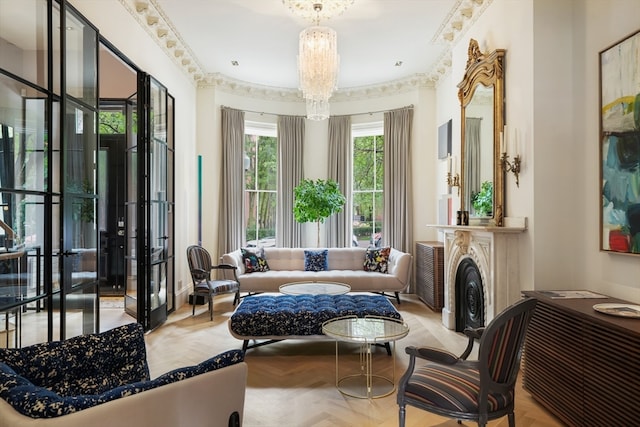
(230, 225)
(397, 224)
(472, 157)
(290, 172)
(338, 226)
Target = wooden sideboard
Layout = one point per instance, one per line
(582, 365)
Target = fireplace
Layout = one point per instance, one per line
(481, 272)
(469, 296)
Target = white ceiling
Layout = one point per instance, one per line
(205, 36)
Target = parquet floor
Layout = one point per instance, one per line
(292, 383)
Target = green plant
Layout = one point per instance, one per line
(315, 201)
(483, 200)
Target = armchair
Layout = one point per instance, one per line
(102, 380)
(479, 390)
(200, 267)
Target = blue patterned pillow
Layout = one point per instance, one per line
(316, 260)
(377, 259)
(254, 260)
(84, 364)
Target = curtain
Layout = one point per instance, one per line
(290, 172)
(338, 226)
(472, 158)
(398, 218)
(231, 223)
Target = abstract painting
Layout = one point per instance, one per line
(620, 146)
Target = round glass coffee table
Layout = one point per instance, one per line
(366, 331)
(315, 288)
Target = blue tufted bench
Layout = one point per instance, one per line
(277, 317)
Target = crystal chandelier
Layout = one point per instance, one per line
(318, 60)
(318, 64)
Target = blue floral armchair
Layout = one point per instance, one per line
(103, 380)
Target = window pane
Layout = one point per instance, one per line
(261, 181)
(80, 150)
(81, 61)
(379, 161)
(368, 181)
(23, 39)
(268, 158)
(250, 144)
(22, 137)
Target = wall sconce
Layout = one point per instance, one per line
(453, 178)
(513, 166)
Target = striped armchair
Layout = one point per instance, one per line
(478, 390)
(200, 267)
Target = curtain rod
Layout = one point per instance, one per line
(353, 114)
(376, 112)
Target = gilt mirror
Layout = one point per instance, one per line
(481, 94)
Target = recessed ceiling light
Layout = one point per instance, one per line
(235, 63)
(398, 63)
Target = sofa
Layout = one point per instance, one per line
(102, 380)
(364, 269)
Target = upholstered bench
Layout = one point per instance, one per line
(275, 317)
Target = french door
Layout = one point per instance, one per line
(149, 207)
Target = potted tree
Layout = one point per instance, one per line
(315, 201)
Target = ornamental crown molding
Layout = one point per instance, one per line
(239, 87)
(155, 21)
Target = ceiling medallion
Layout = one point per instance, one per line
(307, 9)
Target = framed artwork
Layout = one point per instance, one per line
(620, 146)
(444, 139)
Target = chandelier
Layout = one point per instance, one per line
(318, 60)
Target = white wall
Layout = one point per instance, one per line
(552, 99)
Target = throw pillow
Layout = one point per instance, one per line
(377, 259)
(316, 260)
(254, 260)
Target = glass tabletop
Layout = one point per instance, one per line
(315, 288)
(365, 329)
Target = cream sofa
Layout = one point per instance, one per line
(345, 265)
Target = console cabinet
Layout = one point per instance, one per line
(582, 365)
(430, 273)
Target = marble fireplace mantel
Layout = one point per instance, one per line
(494, 250)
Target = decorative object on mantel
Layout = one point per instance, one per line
(620, 145)
(318, 59)
(508, 166)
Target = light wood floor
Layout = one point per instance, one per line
(292, 383)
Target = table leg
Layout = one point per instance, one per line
(365, 384)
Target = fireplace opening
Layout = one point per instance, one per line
(469, 296)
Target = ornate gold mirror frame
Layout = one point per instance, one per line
(483, 82)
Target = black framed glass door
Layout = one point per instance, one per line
(149, 207)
